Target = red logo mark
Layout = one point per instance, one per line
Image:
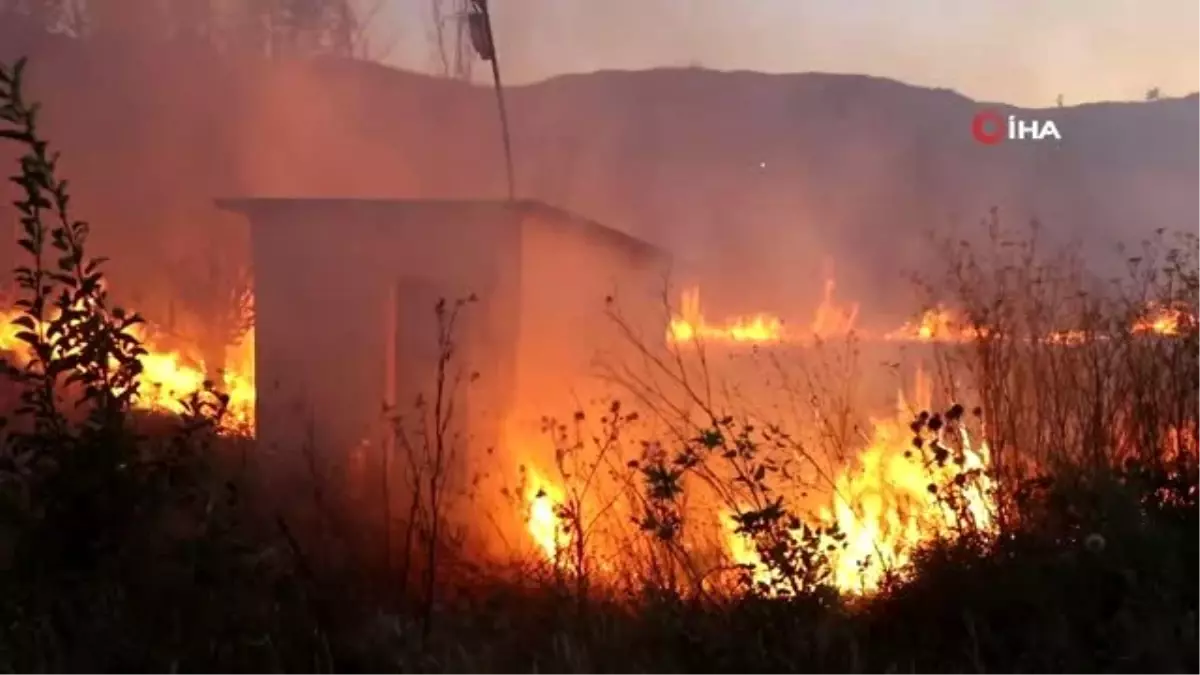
(988, 127)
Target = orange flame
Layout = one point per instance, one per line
(940, 324)
(169, 376)
(691, 325)
(884, 507)
(937, 324)
(543, 499)
(1162, 320)
(832, 319)
(890, 502)
(742, 550)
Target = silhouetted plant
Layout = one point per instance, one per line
(431, 439)
(957, 466)
(84, 493)
(1095, 571)
(81, 350)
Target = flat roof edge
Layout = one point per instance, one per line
(247, 205)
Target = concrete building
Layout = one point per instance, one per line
(345, 295)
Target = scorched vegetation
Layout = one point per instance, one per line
(1031, 505)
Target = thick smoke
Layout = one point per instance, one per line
(760, 184)
(1025, 52)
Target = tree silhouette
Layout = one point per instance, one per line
(275, 28)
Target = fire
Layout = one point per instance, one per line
(742, 551)
(883, 504)
(1067, 337)
(940, 324)
(832, 319)
(937, 324)
(170, 376)
(690, 325)
(892, 500)
(1162, 320)
(543, 499)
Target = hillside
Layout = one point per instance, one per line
(766, 181)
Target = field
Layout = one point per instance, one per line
(740, 502)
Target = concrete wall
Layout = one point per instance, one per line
(567, 335)
(345, 293)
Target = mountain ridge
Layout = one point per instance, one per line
(763, 181)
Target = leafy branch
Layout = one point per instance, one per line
(77, 340)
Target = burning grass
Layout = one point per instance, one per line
(170, 376)
(720, 514)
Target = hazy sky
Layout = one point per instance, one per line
(1018, 51)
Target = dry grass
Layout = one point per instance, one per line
(129, 550)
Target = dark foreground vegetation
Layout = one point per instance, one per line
(137, 544)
